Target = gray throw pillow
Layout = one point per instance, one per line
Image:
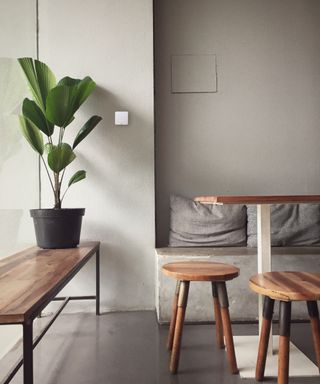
(201, 225)
(291, 225)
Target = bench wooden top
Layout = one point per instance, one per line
(31, 278)
(200, 271)
(287, 286)
(276, 199)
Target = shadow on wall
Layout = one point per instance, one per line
(10, 221)
(13, 90)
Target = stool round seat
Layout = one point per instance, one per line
(287, 286)
(200, 271)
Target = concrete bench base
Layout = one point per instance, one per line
(243, 302)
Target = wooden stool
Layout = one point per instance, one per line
(218, 274)
(285, 287)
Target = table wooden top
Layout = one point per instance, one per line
(272, 199)
(287, 286)
(200, 271)
(30, 278)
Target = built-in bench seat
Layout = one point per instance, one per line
(244, 303)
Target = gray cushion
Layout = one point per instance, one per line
(199, 225)
(291, 225)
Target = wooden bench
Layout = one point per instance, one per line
(29, 280)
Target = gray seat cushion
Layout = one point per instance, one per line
(198, 225)
(291, 225)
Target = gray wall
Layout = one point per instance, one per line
(260, 133)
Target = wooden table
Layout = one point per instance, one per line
(29, 280)
(263, 204)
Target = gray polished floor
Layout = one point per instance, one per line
(122, 348)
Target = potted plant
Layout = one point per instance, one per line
(43, 122)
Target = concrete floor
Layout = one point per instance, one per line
(122, 348)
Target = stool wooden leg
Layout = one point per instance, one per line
(284, 342)
(173, 317)
(227, 330)
(264, 337)
(217, 316)
(315, 325)
(182, 305)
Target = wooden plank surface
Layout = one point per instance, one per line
(275, 199)
(287, 286)
(200, 271)
(31, 277)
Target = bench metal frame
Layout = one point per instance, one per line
(28, 342)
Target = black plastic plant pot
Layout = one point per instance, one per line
(57, 228)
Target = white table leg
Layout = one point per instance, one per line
(264, 252)
(264, 238)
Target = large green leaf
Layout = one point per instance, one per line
(84, 89)
(60, 157)
(32, 134)
(86, 129)
(59, 107)
(31, 110)
(40, 79)
(69, 81)
(65, 99)
(79, 175)
(46, 79)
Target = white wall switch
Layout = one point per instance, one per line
(121, 117)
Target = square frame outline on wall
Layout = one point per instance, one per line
(211, 78)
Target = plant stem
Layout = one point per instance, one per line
(63, 129)
(64, 194)
(60, 136)
(62, 176)
(61, 133)
(57, 200)
(46, 168)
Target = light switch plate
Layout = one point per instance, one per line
(121, 118)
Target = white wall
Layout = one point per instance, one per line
(18, 163)
(112, 41)
(259, 134)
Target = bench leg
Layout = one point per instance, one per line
(264, 337)
(217, 316)
(315, 325)
(173, 316)
(284, 342)
(28, 352)
(227, 330)
(98, 282)
(182, 305)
